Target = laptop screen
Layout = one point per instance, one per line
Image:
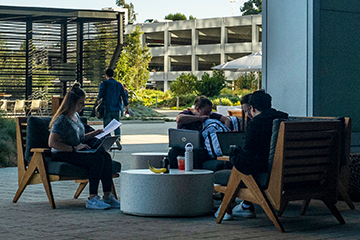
(180, 137)
(230, 138)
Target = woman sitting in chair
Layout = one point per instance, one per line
(67, 137)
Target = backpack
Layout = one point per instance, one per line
(211, 141)
(236, 123)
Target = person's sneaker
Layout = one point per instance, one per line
(97, 203)
(112, 201)
(227, 216)
(240, 211)
(118, 144)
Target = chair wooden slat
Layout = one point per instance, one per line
(314, 177)
(308, 144)
(298, 160)
(305, 170)
(307, 152)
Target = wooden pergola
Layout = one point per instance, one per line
(61, 32)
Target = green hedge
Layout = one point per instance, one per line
(7, 142)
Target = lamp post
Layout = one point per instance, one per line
(233, 2)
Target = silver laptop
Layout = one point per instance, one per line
(106, 144)
(230, 138)
(180, 137)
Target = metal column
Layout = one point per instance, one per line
(64, 50)
(28, 57)
(80, 52)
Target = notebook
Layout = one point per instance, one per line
(106, 144)
(180, 137)
(230, 138)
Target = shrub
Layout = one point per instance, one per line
(7, 142)
(184, 101)
(233, 98)
(224, 102)
(211, 86)
(226, 91)
(185, 83)
(243, 92)
(148, 97)
(250, 81)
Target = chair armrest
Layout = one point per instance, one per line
(40, 150)
(223, 158)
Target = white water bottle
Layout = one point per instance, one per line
(189, 161)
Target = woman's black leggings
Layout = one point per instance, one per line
(98, 165)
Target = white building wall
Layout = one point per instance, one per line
(285, 44)
(194, 49)
(311, 57)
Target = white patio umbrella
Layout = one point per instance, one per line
(250, 63)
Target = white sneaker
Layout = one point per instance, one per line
(227, 216)
(112, 201)
(240, 211)
(96, 203)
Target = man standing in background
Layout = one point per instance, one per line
(114, 94)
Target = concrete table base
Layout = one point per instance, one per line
(140, 160)
(179, 193)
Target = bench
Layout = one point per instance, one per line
(305, 165)
(34, 162)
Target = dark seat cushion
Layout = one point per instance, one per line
(64, 169)
(222, 177)
(216, 165)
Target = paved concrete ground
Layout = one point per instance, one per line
(32, 217)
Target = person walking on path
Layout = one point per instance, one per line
(114, 94)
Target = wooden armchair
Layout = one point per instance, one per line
(241, 115)
(305, 166)
(35, 165)
(344, 169)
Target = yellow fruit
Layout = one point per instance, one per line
(156, 170)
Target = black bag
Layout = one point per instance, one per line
(100, 108)
(100, 105)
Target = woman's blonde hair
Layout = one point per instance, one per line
(70, 100)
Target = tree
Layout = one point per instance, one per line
(249, 81)
(184, 84)
(211, 86)
(176, 17)
(130, 7)
(251, 7)
(132, 67)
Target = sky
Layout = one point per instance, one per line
(145, 8)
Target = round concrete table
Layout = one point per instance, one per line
(178, 193)
(140, 160)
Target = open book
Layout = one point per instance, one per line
(114, 124)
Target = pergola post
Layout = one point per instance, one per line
(120, 41)
(64, 50)
(28, 58)
(80, 52)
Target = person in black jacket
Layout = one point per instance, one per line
(253, 158)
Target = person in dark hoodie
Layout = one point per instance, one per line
(253, 157)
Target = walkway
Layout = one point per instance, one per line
(32, 217)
